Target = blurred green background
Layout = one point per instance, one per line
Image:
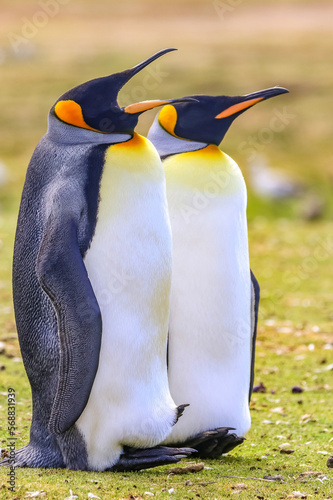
(225, 47)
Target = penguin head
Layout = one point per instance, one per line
(93, 105)
(208, 119)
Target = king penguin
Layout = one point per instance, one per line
(214, 295)
(91, 285)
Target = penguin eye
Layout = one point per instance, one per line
(71, 112)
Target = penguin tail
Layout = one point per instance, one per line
(180, 410)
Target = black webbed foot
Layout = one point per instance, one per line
(136, 458)
(213, 443)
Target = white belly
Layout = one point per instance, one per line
(210, 315)
(129, 266)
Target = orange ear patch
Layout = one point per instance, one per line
(71, 112)
(168, 119)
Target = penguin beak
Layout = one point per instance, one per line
(120, 79)
(133, 71)
(140, 107)
(248, 100)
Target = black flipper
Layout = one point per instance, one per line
(63, 276)
(213, 443)
(136, 459)
(255, 297)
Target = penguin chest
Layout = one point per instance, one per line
(207, 202)
(129, 266)
(129, 259)
(207, 197)
(210, 310)
(207, 172)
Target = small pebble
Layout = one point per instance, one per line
(259, 388)
(297, 390)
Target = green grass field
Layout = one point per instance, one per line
(225, 47)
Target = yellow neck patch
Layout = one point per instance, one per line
(137, 155)
(168, 119)
(211, 151)
(137, 141)
(71, 112)
(207, 169)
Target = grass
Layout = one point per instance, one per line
(256, 45)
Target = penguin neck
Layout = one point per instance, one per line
(62, 133)
(167, 144)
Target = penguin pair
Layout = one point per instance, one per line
(92, 283)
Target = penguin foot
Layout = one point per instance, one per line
(135, 458)
(214, 443)
(31, 456)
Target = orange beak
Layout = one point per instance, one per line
(140, 107)
(249, 100)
